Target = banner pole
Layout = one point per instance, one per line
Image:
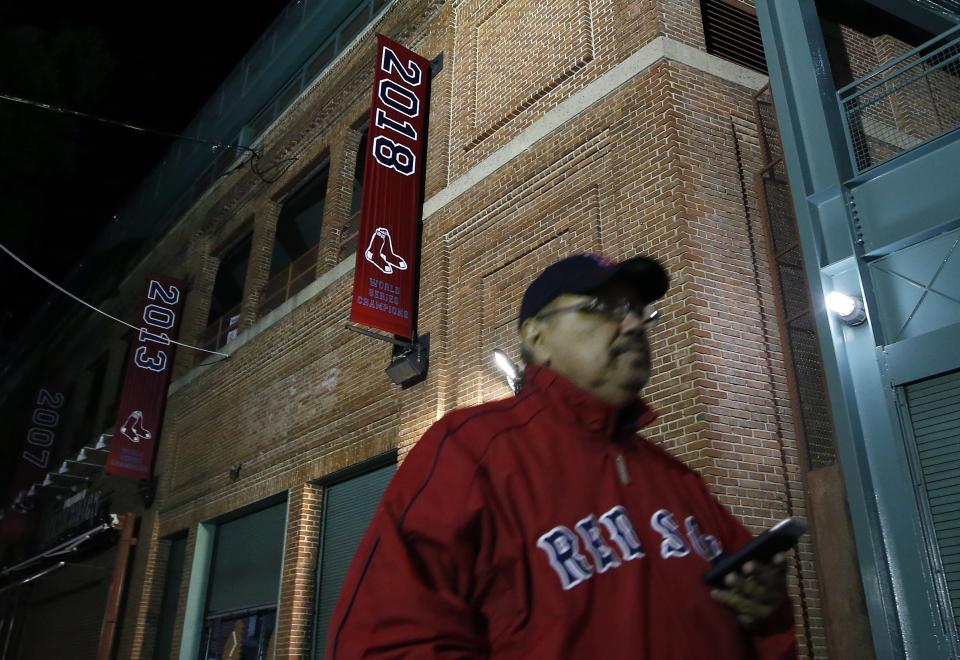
(375, 335)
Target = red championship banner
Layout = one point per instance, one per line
(384, 285)
(145, 387)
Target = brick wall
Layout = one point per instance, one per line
(298, 579)
(145, 581)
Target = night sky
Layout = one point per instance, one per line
(62, 178)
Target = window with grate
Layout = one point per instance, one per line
(300, 222)
(296, 246)
(228, 287)
(110, 415)
(732, 32)
(348, 239)
(224, 317)
(89, 422)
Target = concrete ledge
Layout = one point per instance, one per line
(310, 291)
(658, 49)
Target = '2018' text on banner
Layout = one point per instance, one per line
(384, 284)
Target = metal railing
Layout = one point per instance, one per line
(221, 331)
(903, 104)
(289, 281)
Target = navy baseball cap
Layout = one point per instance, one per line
(582, 273)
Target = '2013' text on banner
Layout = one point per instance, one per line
(144, 395)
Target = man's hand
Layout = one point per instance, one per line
(755, 591)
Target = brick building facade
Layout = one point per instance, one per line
(555, 127)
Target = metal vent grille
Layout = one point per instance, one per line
(733, 33)
(934, 420)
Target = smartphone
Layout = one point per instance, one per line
(779, 538)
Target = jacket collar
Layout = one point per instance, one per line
(579, 406)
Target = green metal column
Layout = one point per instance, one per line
(197, 591)
(898, 585)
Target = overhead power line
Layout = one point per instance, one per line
(253, 160)
(95, 309)
(121, 124)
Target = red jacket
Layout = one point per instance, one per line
(543, 526)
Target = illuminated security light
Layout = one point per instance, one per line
(848, 308)
(508, 368)
(505, 365)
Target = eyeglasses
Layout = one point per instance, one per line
(615, 309)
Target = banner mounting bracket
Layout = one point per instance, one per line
(377, 335)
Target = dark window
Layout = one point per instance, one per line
(300, 222)
(228, 287)
(110, 415)
(296, 247)
(241, 607)
(348, 241)
(358, 171)
(239, 635)
(247, 553)
(733, 33)
(89, 421)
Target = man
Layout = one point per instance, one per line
(544, 526)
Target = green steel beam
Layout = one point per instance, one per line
(898, 584)
(197, 591)
(917, 13)
(910, 198)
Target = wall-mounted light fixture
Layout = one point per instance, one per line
(849, 309)
(410, 361)
(509, 370)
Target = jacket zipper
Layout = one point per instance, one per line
(622, 472)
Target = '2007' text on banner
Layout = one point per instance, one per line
(384, 285)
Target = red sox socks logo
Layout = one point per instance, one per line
(562, 546)
(380, 252)
(133, 429)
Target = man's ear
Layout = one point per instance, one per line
(532, 334)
